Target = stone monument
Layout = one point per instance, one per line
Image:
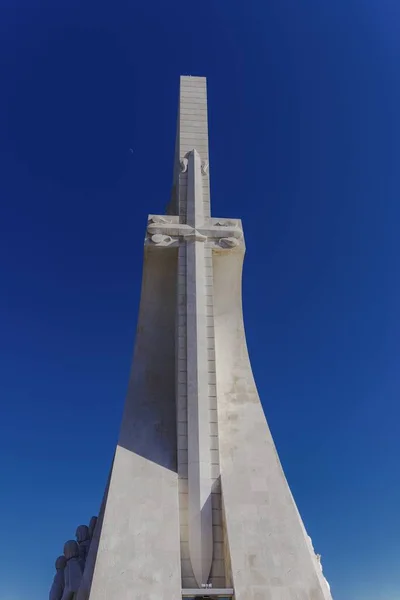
(197, 504)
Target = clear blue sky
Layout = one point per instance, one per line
(304, 101)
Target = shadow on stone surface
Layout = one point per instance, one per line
(149, 421)
(84, 590)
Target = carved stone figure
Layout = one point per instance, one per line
(229, 242)
(204, 168)
(57, 588)
(83, 539)
(73, 570)
(157, 219)
(162, 240)
(184, 165)
(92, 526)
(226, 223)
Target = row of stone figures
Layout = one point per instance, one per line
(70, 566)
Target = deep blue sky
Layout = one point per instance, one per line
(304, 101)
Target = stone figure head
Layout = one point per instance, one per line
(58, 585)
(92, 526)
(71, 550)
(61, 563)
(82, 533)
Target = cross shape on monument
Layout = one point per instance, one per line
(196, 239)
(169, 231)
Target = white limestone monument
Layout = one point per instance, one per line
(197, 504)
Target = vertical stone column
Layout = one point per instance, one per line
(192, 203)
(182, 418)
(192, 132)
(199, 458)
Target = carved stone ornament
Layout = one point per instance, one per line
(195, 236)
(156, 219)
(226, 223)
(184, 164)
(229, 242)
(204, 168)
(163, 240)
